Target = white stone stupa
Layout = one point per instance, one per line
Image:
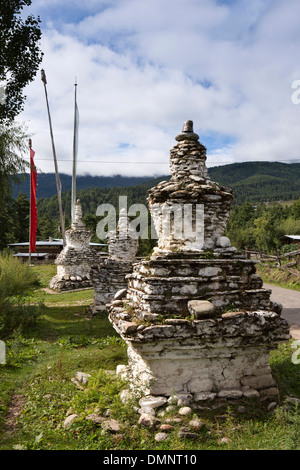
(75, 260)
(196, 318)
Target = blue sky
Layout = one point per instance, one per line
(144, 67)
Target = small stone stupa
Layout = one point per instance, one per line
(108, 276)
(75, 260)
(196, 319)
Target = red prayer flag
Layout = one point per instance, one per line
(33, 211)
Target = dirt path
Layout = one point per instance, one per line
(14, 410)
(290, 299)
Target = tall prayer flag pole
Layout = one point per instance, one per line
(33, 208)
(75, 149)
(58, 182)
(29, 245)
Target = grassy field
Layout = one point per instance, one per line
(37, 392)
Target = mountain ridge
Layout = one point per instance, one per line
(250, 181)
(47, 183)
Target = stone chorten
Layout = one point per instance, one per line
(108, 277)
(75, 260)
(196, 319)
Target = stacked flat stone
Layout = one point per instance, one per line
(75, 260)
(196, 318)
(188, 157)
(109, 276)
(190, 185)
(123, 243)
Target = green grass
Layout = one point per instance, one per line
(45, 272)
(278, 277)
(66, 339)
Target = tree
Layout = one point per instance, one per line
(46, 227)
(6, 221)
(14, 220)
(290, 226)
(240, 226)
(13, 139)
(295, 209)
(22, 209)
(20, 54)
(245, 214)
(266, 234)
(12, 145)
(90, 221)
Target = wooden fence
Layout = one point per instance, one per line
(280, 260)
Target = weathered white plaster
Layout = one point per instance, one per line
(75, 260)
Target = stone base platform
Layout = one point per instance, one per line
(165, 284)
(67, 283)
(108, 277)
(211, 360)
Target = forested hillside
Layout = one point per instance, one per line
(91, 198)
(253, 221)
(260, 181)
(251, 181)
(47, 183)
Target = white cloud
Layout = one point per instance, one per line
(143, 68)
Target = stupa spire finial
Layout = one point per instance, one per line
(187, 132)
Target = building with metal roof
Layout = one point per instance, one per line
(51, 247)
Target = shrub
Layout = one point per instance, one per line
(18, 314)
(17, 280)
(288, 248)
